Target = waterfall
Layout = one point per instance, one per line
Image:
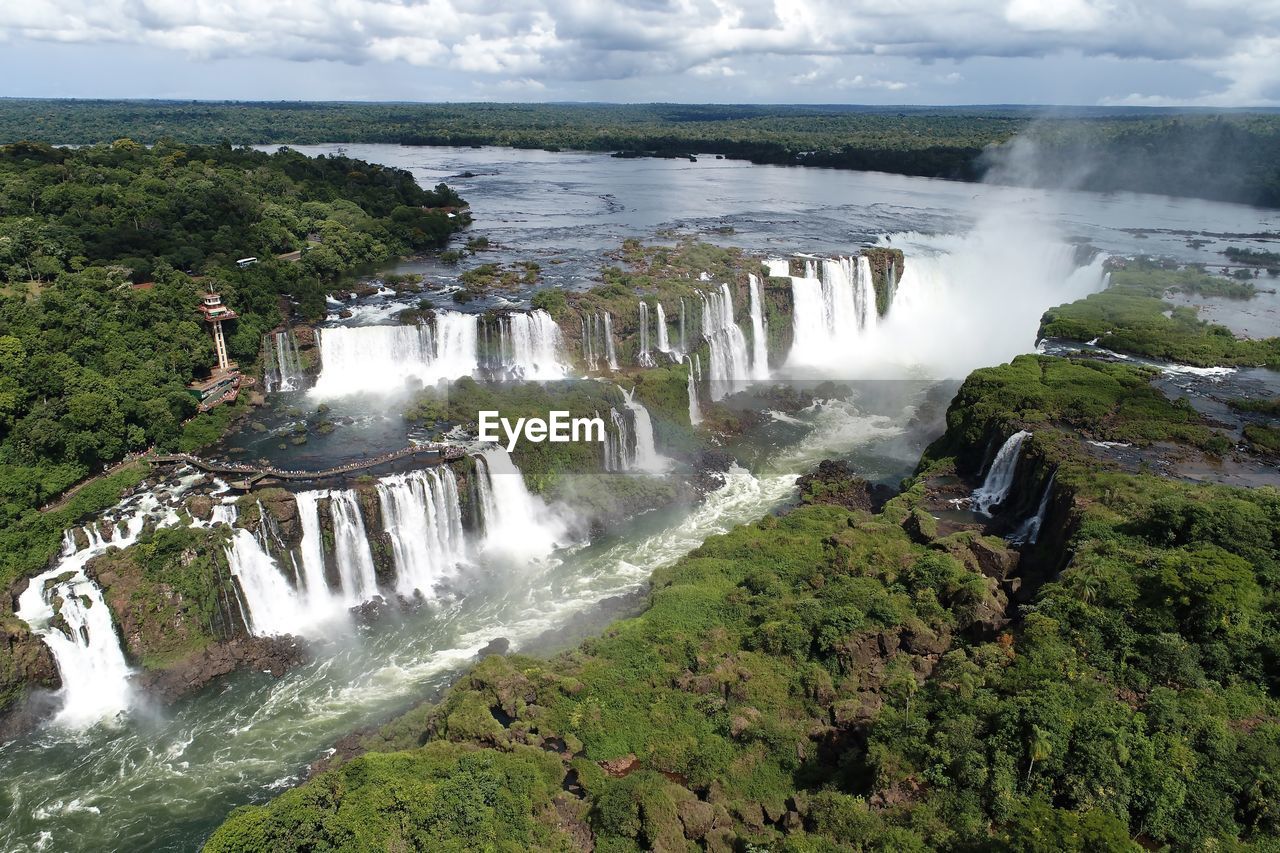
(517, 524)
(357, 359)
(891, 286)
(320, 598)
(1029, 530)
(95, 675)
(423, 517)
(643, 356)
(831, 312)
(697, 367)
(664, 345)
(272, 604)
(611, 354)
(730, 365)
(759, 338)
(530, 344)
(695, 411)
(778, 267)
(995, 488)
(588, 352)
(865, 296)
(645, 457)
(618, 443)
(351, 548)
(282, 368)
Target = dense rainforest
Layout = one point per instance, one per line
(1228, 156)
(104, 252)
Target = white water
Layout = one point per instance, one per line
(968, 301)
(695, 411)
(664, 342)
(351, 548)
(91, 663)
(864, 296)
(378, 359)
(272, 605)
(322, 602)
(643, 357)
(999, 479)
(646, 457)
(759, 335)
(832, 311)
(610, 353)
(588, 351)
(618, 442)
(960, 302)
(423, 517)
(517, 524)
(530, 346)
(1029, 530)
(283, 371)
(730, 366)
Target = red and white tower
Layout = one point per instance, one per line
(214, 314)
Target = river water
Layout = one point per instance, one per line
(162, 778)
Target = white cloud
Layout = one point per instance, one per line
(839, 44)
(860, 82)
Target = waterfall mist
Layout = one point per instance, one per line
(961, 302)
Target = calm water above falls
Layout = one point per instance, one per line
(162, 778)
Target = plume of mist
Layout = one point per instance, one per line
(1217, 157)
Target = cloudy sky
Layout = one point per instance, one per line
(1139, 52)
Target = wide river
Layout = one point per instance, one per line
(163, 778)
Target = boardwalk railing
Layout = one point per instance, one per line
(442, 453)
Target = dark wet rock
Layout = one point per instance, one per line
(200, 506)
(274, 655)
(708, 467)
(349, 746)
(834, 482)
(373, 611)
(28, 677)
(497, 646)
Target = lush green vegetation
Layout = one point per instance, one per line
(171, 594)
(830, 679)
(441, 797)
(1095, 400)
(93, 367)
(1130, 316)
(28, 543)
(1228, 156)
(1254, 257)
